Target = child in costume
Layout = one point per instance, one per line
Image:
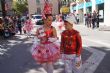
(28, 26)
(46, 52)
(71, 46)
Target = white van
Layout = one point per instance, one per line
(36, 18)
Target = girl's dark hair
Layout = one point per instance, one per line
(47, 15)
(27, 18)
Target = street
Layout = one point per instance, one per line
(96, 42)
(15, 54)
(90, 18)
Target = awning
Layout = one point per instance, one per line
(99, 1)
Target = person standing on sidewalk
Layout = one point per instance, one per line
(1, 27)
(97, 20)
(19, 24)
(77, 17)
(71, 47)
(94, 19)
(46, 52)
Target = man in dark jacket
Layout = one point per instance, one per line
(19, 25)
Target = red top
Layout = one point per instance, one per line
(49, 33)
(71, 42)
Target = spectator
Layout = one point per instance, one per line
(1, 27)
(19, 24)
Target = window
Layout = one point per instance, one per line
(39, 10)
(38, 17)
(37, 1)
(87, 0)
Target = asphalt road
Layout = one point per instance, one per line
(15, 56)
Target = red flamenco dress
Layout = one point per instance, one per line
(45, 50)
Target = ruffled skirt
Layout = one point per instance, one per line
(49, 52)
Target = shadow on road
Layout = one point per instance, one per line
(17, 58)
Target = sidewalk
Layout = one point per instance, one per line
(104, 28)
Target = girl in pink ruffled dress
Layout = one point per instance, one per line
(46, 52)
(28, 26)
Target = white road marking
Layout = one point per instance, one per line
(91, 64)
(93, 61)
(98, 41)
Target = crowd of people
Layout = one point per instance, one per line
(92, 20)
(11, 25)
(7, 26)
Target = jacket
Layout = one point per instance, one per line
(71, 42)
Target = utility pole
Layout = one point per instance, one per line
(3, 8)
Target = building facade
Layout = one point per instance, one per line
(0, 9)
(20, 1)
(5, 7)
(8, 7)
(88, 6)
(36, 6)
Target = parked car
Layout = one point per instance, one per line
(40, 22)
(36, 18)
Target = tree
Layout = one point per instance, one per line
(19, 7)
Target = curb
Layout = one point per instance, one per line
(104, 28)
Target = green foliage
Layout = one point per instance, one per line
(20, 7)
